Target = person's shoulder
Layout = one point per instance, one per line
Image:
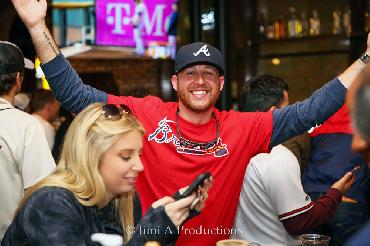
(278, 156)
(281, 150)
(281, 154)
(52, 200)
(244, 116)
(156, 102)
(52, 206)
(51, 194)
(15, 120)
(226, 114)
(23, 118)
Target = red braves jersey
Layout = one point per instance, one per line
(169, 167)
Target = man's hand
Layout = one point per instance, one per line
(32, 12)
(344, 183)
(368, 44)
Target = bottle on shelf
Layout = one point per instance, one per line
(262, 26)
(315, 23)
(270, 31)
(346, 19)
(292, 23)
(305, 24)
(337, 16)
(279, 28)
(276, 29)
(299, 28)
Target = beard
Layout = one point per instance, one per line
(195, 105)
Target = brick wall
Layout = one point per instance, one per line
(133, 76)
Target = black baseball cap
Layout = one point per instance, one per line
(199, 53)
(12, 59)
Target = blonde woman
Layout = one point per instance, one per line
(92, 189)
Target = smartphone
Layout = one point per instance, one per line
(353, 171)
(198, 182)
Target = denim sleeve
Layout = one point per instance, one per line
(301, 116)
(51, 217)
(67, 86)
(155, 226)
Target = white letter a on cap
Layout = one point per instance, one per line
(203, 50)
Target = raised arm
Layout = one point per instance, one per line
(324, 102)
(354, 71)
(32, 13)
(64, 82)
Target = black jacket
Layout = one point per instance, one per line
(53, 216)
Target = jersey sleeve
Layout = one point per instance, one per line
(284, 187)
(50, 217)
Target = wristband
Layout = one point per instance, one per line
(364, 58)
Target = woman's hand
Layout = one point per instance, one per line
(178, 211)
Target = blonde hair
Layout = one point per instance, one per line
(90, 135)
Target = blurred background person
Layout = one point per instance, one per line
(45, 108)
(66, 120)
(359, 104)
(331, 156)
(22, 101)
(172, 29)
(138, 22)
(24, 154)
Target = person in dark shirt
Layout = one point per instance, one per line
(331, 156)
(172, 29)
(93, 188)
(359, 104)
(61, 132)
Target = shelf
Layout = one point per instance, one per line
(308, 53)
(305, 38)
(325, 44)
(338, 37)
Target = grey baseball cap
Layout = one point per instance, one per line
(199, 53)
(12, 59)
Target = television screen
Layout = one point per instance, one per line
(118, 20)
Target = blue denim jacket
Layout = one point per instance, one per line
(53, 216)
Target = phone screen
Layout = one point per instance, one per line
(355, 169)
